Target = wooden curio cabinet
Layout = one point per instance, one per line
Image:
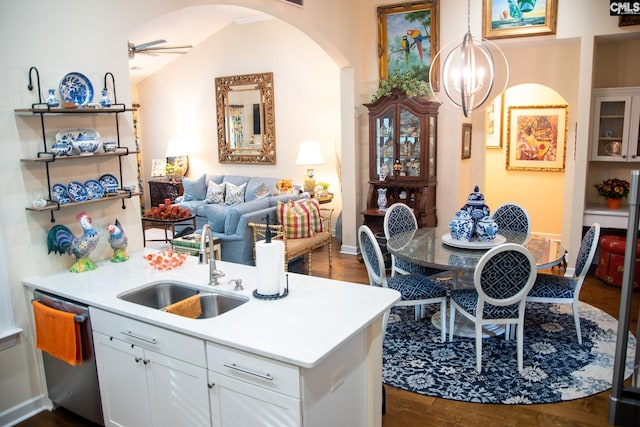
(402, 155)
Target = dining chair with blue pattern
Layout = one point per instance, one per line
(553, 289)
(501, 281)
(513, 219)
(415, 289)
(399, 218)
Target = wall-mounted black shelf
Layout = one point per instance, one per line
(42, 109)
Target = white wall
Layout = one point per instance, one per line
(178, 101)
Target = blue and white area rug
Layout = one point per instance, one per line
(556, 367)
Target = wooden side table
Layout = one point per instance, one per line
(325, 199)
(166, 225)
(161, 189)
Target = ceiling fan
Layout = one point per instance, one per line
(151, 48)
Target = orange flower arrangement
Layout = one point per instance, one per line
(167, 212)
(285, 186)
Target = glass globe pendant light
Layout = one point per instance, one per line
(469, 71)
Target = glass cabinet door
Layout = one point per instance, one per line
(612, 128)
(409, 144)
(385, 144)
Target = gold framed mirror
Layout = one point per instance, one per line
(246, 120)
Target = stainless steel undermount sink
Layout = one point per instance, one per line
(216, 304)
(161, 294)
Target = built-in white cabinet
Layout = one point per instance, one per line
(248, 390)
(253, 391)
(149, 376)
(616, 124)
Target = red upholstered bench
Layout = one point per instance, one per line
(611, 261)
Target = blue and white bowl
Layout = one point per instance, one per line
(109, 146)
(61, 148)
(86, 146)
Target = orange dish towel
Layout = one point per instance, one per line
(57, 333)
(188, 307)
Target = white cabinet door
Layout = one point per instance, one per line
(616, 120)
(123, 384)
(177, 392)
(237, 403)
(142, 388)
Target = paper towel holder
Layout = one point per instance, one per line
(274, 296)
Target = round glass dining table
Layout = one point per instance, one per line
(427, 247)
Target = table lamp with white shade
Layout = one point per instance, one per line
(309, 156)
(177, 156)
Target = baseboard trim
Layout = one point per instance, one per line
(349, 250)
(24, 410)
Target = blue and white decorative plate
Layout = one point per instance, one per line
(59, 194)
(95, 190)
(109, 182)
(76, 88)
(77, 192)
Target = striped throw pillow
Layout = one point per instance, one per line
(295, 219)
(313, 207)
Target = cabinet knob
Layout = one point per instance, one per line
(211, 385)
(138, 359)
(146, 361)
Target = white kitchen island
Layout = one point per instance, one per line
(316, 353)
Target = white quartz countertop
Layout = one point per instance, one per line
(316, 317)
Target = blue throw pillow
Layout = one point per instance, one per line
(194, 189)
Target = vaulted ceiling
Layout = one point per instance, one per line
(188, 26)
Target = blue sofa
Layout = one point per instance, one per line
(229, 222)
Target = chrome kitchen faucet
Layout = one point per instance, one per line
(214, 273)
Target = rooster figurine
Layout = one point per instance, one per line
(118, 242)
(62, 241)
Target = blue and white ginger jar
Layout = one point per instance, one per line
(461, 226)
(486, 229)
(476, 206)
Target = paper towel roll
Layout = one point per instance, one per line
(270, 267)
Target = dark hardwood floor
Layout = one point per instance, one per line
(406, 409)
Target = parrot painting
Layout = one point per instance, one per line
(417, 37)
(118, 241)
(406, 47)
(62, 241)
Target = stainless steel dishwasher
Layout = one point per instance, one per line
(73, 387)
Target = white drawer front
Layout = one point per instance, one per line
(163, 341)
(257, 370)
